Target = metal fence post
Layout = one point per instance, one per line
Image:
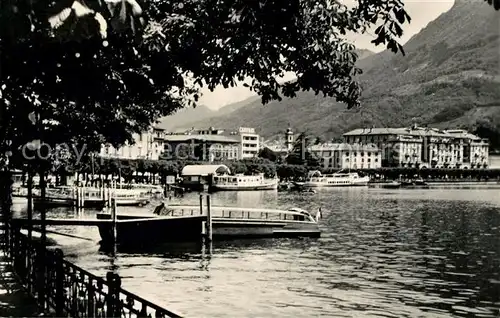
(90, 297)
(117, 302)
(41, 282)
(59, 293)
(111, 293)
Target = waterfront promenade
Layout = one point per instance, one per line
(38, 281)
(14, 299)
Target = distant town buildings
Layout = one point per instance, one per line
(201, 147)
(148, 145)
(346, 156)
(422, 147)
(368, 148)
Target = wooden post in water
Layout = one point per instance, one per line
(113, 219)
(201, 204)
(83, 197)
(77, 197)
(209, 220)
(103, 194)
(109, 197)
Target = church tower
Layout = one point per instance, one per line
(289, 138)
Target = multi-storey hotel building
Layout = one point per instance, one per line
(147, 145)
(347, 156)
(423, 147)
(218, 144)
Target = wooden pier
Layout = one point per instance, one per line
(127, 230)
(55, 222)
(80, 197)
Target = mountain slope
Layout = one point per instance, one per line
(190, 117)
(451, 68)
(186, 116)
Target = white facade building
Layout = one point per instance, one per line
(347, 156)
(249, 142)
(422, 147)
(148, 145)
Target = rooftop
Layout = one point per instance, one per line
(342, 146)
(207, 138)
(204, 170)
(411, 131)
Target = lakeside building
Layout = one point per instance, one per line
(202, 147)
(195, 144)
(423, 147)
(250, 142)
(148, 145)
(347, 156)
(249, 139)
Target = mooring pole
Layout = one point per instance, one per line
(113, 219)
(83, 197)
(109, 197)
(76, 196)
(209, 220)
(201, 204)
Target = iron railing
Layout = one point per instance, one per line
(64, 289)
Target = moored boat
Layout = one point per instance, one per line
(184, 222)
(92, 197)
(338, 179)
(241, 182)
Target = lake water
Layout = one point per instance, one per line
(383, 253)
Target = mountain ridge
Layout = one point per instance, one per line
(188, 117)
(451, 66)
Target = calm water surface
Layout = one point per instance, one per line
(383, 253)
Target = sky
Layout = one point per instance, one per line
(421, 12)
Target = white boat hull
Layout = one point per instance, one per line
(331, 185)
(230, 187)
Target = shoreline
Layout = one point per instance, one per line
(449, 182)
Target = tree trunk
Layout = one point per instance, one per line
(43, 190)
(30, 201)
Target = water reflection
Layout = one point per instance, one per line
(383, 252)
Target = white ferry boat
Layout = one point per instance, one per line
(241, 182)
(338, 179)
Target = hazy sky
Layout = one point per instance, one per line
(421, 12)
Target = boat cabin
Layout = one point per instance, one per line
(196, 176)
(238, 179)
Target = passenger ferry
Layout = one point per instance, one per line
(185, 223)
(338, 179)
(241, 182)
